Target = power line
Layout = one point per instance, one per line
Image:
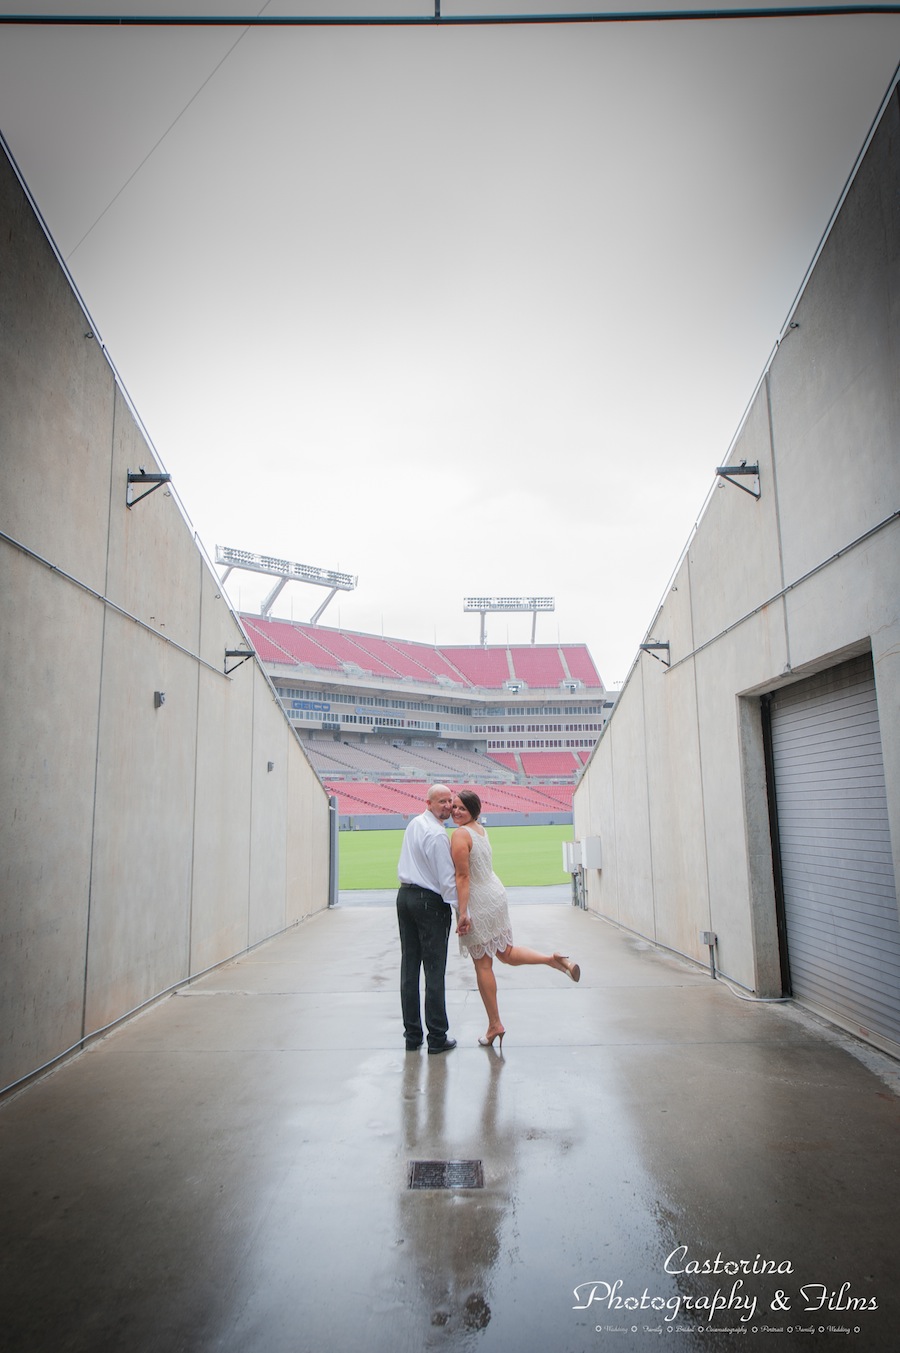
(262, 20)
(162, 138)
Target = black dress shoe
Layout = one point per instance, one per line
(412, 1047)
(446, 1046)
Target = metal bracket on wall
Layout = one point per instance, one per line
(733, 472)
(141, 477)
(651, 649)
(242, 653)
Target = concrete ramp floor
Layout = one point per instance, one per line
(665, 1165)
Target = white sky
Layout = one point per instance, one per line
(458, 310)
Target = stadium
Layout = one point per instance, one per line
(382, 718)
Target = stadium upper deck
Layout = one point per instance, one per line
(287, 643)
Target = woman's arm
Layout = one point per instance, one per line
(460, 849)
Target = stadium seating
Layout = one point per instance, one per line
(431, 660)
(581, 665)
(466, 666)
(459, 767)
(546, 764)
(356, 800)
(507, 759)
(344, 649)
(329, 766)
(292, 641)
(385, 657)
(412, 660)
(481, 666)
(559, 794)
(514, 799)
(538, 666)
(395, 798)
(408, 797)
(379, 761)
(265, 649)
(375, 779)
(390, 656)
(354, 760)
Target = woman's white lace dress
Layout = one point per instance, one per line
(491, 931)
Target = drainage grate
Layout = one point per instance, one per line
(445, 1174)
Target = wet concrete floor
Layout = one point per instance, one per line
(229, 1170)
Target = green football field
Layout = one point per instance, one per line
(523, 856)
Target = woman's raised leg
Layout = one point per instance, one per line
(517, 955)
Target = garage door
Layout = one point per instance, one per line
(839, 896)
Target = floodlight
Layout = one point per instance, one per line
(484, 604)
(286, 572)
(509, 604)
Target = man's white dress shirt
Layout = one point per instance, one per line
(425, 858)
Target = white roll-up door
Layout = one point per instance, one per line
(840, 901)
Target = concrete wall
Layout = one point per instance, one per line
(767, 592)
(138, 845)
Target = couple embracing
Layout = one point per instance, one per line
(440, 875)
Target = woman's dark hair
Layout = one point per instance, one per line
(471, 802)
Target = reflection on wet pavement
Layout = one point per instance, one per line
(663, 1163)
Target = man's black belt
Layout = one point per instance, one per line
(427, 892)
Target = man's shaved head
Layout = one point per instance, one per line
(439, 801)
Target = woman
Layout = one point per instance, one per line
(483, 927)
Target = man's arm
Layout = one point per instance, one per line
(437, 849)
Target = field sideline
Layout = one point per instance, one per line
(523, 856)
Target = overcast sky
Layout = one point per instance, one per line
(457, 310)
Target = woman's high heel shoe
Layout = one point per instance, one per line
(489, 1042)
(572, 969)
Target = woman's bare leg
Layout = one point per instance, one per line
(487, 988)
(517, 954)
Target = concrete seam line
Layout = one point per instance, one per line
(776, 596)
(107, 601)
(83, 1043)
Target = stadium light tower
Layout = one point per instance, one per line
(285, 572)
(484, 604)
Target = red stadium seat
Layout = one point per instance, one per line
(538, 666)
(547, 764)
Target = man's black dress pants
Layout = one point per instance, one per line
(424, 919)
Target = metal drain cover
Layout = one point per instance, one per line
(445, 1174)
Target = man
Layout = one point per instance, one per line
(425, 905)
